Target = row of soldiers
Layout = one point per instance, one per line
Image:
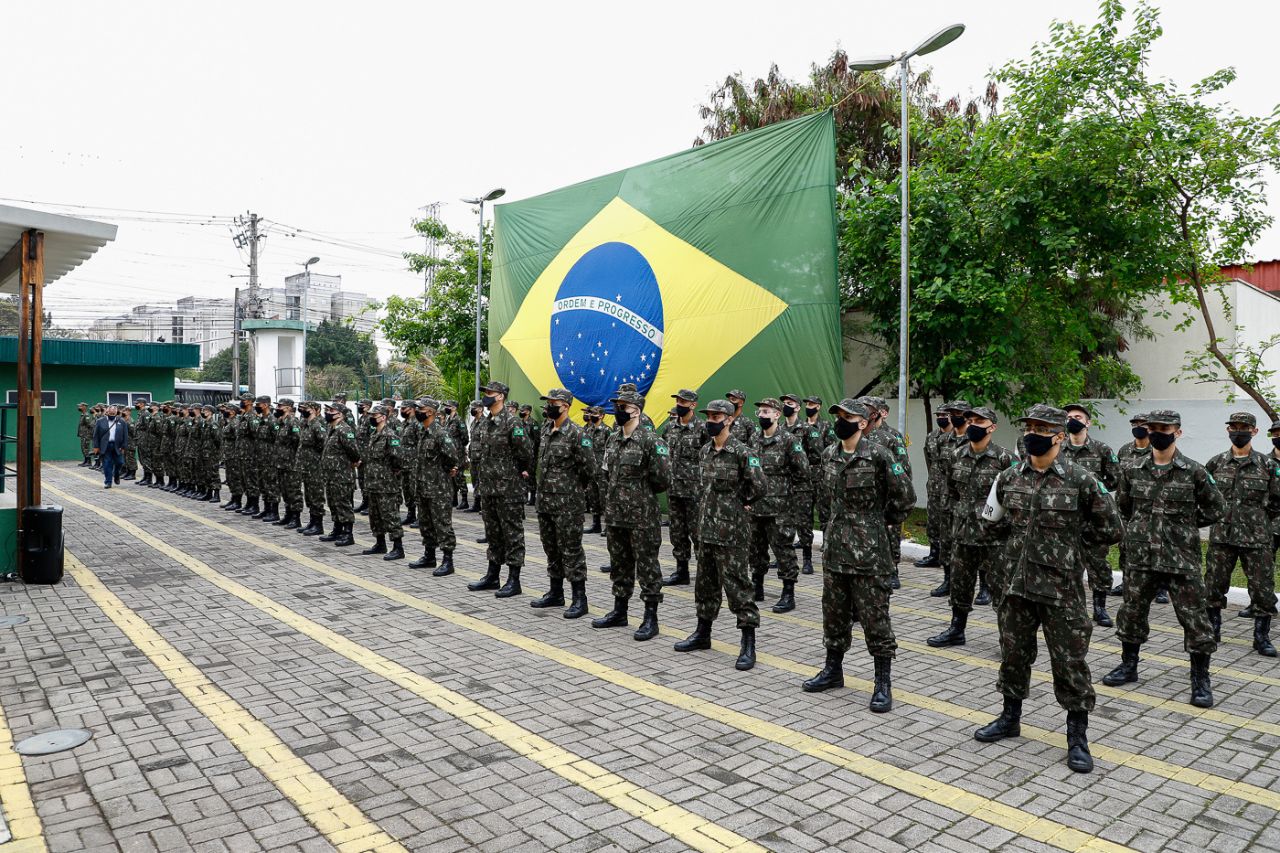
(88, 417)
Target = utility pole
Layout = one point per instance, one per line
(235, 352)
(248, 237)
(432, 251)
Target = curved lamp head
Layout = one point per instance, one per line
(875, 63)
(940, 39)
(312, 261)
(489, 196)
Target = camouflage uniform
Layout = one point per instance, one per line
(783, 460)
(566, 465)
(938, 443)
(288, 440)
(599, 435)
(363, 430)
(825, 439)
(1128, 455)
(813, 437)
(84, 432)
(685, 442)
(742, 429)
(502, 457)
(437, 455)
(247, 452)
(534, 431)
(309, 465)
(410, 430)
(1103, 463)
(181, 441)
(264, 449)
(473, 452)
(340, 454)
(230, 454)
(969, 480)
(891, 440)
(456, 428)
(382, 463)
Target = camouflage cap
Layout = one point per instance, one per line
(813, 398)
(629, 397)
(245, 397)
(525, 407)
(82, 405)
(736, 392)
(879, 402)
(1242, 418)
(771, 402)
(408, 403)
(792, 397)
(724, 407)
(363, 401)
(496, 387)
(1078, 407)
(388, 403)
(1045, 413)
(850, 406)
(594, 410)
(452, 404)
(208, 407)
(628, 386)
(686, 394)
(983, 412)
(340, 397)
(1275, 425)
(378, 409)
(476, 404)
(1138, 418)
(335, 406)
(426, 403)
(560, 395)
(1164, 416)
(956, 406)
(285, 401)
(512, 405)
(262, 398)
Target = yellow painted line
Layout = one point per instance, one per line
(965, 802)
(15, 798)
(332, 814)
(685, 826)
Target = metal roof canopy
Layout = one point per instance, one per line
(68, 242)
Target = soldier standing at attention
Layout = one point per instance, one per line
(1102, 462)
(410, 429)
(210, 478)
(802, 488)
(310, 471)
(456, 428)
(264, 447)
(1048, 513)
(730, 480)
(363, 431)
(783, 460)
(1140, 446)
(84, 432)
(938, 442)
(869, 492)
(1250, 483)
(384, 483)
(637, 469)
(234, 484)
(593, 426)
(246, 427)
(813, 420)
(740, 428)
(131, 451)
(684, 434)
(473, 450)
(500, 466)
(566, 467)
(974, 467)
(1165, 499)
(534, 431)
(288, 440)
(434, 467)
(340, 460)
(879, 432)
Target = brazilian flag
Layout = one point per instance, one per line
(710, 269)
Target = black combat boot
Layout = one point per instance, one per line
(483, 539)
(1162, 595)
(364, 504)
(1127, 671)
(606, 568)
(397, 550)
(831, 674)
(757, 580)
(412, 517)
(1262, 637)
(615, 618)
(311, 523)
(983, 598)
(462, 502)
(345, 538)
(649, 624)
(232, 504)
(943, 589)
(806, 553)
(1100, 616)
(1215, 619)
(273, 514)
(595, 524)
(699, 639)
(1118, 589)
(680, 577)
(1201, 689)
(284, 519)
(512, 586)
(295, 520)
(318, 530)
(334, 536)
(446, 565)
(882, 694)
(930, 560)
(475, 505)
(954, 634)
(489, 581)
(1008, 724)
(1247, 613)
(746, 650)
(261, 509)
(86, 463)
(578, 604)
(379, 545)
(786, 601)
(554, 596)
(894, 581)
(251, 507)
(426, 561)
(1078, 757)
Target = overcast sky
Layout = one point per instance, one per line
(343, 119)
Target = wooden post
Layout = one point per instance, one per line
(30, 333)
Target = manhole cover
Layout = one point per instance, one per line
(10, 621)
(50, 742)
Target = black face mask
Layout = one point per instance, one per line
(551, 413)
(975, 433)
(279, 413)
(682, 411)
(765, 423)
(943, 423)
(846, 429)
(1140, 432)
(422, 416)
(1240, 439)
(715, 428)
(488, 402)
(788, 411)
(621, 418)
(813, 413)
(1074, 426)
(331, 416)
(957, 423)
(1163, 440)
(1275, 442)
(1037, 445)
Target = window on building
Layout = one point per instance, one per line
(127, 398)
(48, 399)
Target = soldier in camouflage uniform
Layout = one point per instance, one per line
(783, 460)
(435, 464)
(939, 441)
(212, 477)
(730, 480)
(1103, 463)
(813, 420)
(288, 440)
(741, 428)
(410, 429)
(456, 428)
(473, 449)
(881, 433)
(1165, 499)
(802, 501)
(1250, 483)
(181, 463)
(160, 439)
(684, 434)
(227, 429)
(267, 451)
(500, 464)
(141, 424)
(870, 493)
(1131, 451)
(566, 467)
(363, 430)
(129, 459)
(593, 425)
(534, 431)
(1048, 512)
(339, 462)
(637, 469)
(255, 453)
(84, 432)
(974, 467)
(309, 467)
(245, 424)
(382, 464)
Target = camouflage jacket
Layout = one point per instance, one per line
(814, 438)
(685, 443)
(1251, 487)
(473, 445)
(311, 445)
(382, 461)
(866, 490)
(730, 480)
(410, 431)
(1130, 452)
(456, 428)
(364, 429)
(888, 438)
(783, 460)
(969, 481)
(742, 429)
(1096, 458)
(228, 428)
(599, 435)
(264, 438)
(246, 433)
(501, 453)
(340, 453)
(288, 439)
(84, 429)
(1164, 510)
(566, 466)
(637, 469)
(533, 429)
(436, 456)
(1050, 520)
(181, 436)
(936, 446)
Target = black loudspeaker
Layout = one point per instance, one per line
(40, 559)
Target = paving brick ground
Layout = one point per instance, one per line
(160, 775)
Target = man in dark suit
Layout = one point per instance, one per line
(110, 440)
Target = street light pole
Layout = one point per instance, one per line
(306, 291)
(480, 200)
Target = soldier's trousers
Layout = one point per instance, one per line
(212, 477)
(773, 532)
(86, 446)
(435, 520)
(337, 493)
(1067, 630)
(409, 486)
(595, 504)
(1258, 565)
(723, 568)
(803, 502)
(313, 489)
(938, 526)
(561, 535)
(504, 527)
(268, 480)
(966, 562)
(384, 512)
(460, 482)
(894, 532)
(633, 557)
(290, 488)
(1095, 559)
(1187, 594)
(252, 480)
(845, 594)
(131, 460)
(234, 481)
(683, 515)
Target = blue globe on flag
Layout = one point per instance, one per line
(606, 324)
